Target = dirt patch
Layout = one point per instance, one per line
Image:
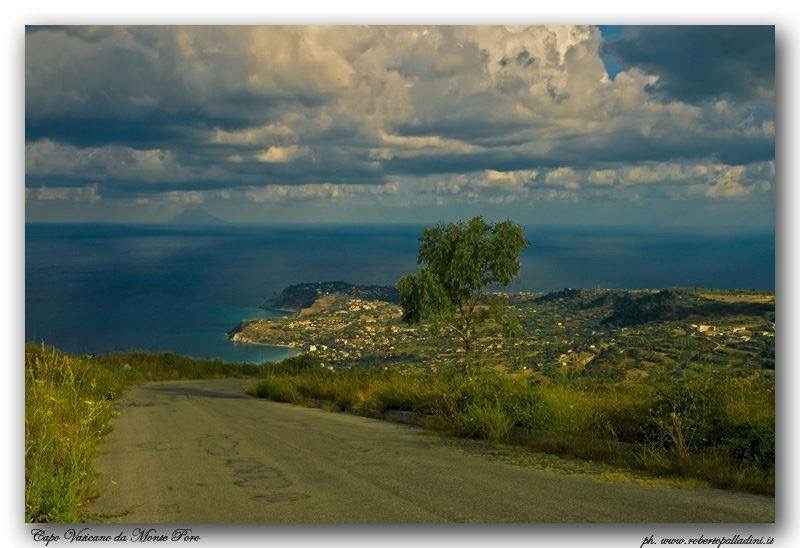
(320, 305)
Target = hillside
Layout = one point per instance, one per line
(299, 296)
(594, 333)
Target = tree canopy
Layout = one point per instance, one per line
(460, 261)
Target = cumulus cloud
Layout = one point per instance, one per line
(488, 181)
(563, 176)
(507, 179)
(675, 179)
(280, 155)
(505, 114)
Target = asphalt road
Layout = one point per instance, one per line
(203, 452)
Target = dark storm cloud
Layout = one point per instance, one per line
(89, 34)
(100, 85)
(90, 131)
(695, 63)
(463, 125)
(584, 151)
(465, 163)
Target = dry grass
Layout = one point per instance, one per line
(320, 305)
(740, 297)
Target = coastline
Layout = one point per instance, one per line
(236, 335)
(239, 338)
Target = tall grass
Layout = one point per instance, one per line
(713, 426)
(68, 411)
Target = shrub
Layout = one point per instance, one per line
(385, 394)
(486, 420)
(301, 362)
(705, 424)
(278, 389)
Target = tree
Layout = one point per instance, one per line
(460, 261)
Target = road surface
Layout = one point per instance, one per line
(203, 452)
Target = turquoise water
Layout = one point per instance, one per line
(100, 288)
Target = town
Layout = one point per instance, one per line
(595, 333)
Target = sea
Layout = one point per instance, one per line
(96, 288)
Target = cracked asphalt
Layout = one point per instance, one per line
(204, 452)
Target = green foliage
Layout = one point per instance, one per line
(66, 413)
(460, 262)
(145, 366)
(486, 420)
(630, 310)
(278, 389)
(718, 409)
(301, 362)
(671, 304)
(303, 295)
(709, 425)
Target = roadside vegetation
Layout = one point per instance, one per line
(717, 426)
(670, 381)
(68, 411)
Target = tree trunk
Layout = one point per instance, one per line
(467, 355)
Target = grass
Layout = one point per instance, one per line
(68, 411)
(710, 425)
(486, 420)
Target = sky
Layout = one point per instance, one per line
(580, 125)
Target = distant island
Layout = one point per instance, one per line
(195, 216)
(298, 296)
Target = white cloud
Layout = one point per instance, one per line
(397, 146)
(88, 194)
(264, 135)
(507, 179)
(730, 184)
(185, 197)
(602, 177)
(280, 155)
(489, 180)
(678, 180)
(448, 110)
(563, 176)
(540, 83)
(49, 158)
(323, 191)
